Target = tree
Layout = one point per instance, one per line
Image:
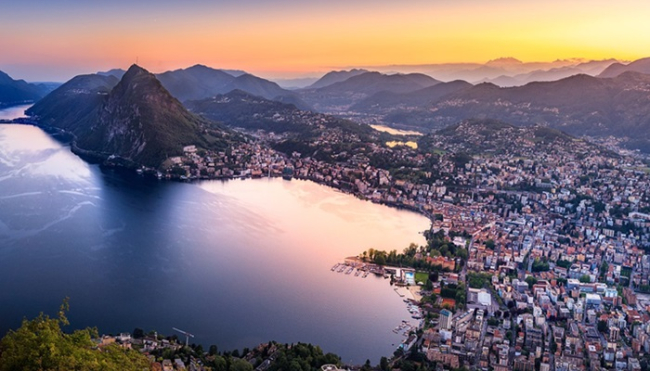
(490, 244)
(493, 322)
(602, 326)
(604, 268)
(138, 333)
(531, 281)
(219, 363)
(241, 365)
(212, 350)
(408, 366)
(585, 278)
(462, 253)
(478, 280)
(540, 265)
(383, 363)
(40, 344)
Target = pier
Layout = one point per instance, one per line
(360, 269)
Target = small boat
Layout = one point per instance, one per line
(334, 267)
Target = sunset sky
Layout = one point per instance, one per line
(55, 40)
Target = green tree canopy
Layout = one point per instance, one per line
(585, 278)
(240, 365)
(40, 344)
(602, 326)
(530, 280)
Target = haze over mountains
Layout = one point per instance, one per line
(14, 92)
(200, 82)
(503, 71)
(580, 105)
(335, 76)
(615, 69)
(143, 117)
(340, 95)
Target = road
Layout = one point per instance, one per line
(479, 349)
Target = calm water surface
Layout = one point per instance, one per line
(13, 112)
(236, 263)
(394, 131)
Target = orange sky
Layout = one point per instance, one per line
(292, 38)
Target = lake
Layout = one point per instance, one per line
(236, 263)
(13, 112)
(394, 131)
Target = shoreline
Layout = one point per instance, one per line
(69, 139)
(354, 266)
(104, 159)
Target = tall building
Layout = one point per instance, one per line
(613, 333)
(445, 319)
(533, 338)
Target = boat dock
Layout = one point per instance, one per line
(360, 269)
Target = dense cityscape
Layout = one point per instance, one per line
(554, 230)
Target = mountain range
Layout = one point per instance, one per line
(139, 116)
(341, 95)
(579, 105)
(503, 71)
(615, 69)
(477, 136)
(591, 68)
(134, 118)
(14, 92)
(243, 110)
(333, 77)
(386, 101)
(200, 82)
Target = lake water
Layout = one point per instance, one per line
(235, 263)
(13, 112)
(394, 131)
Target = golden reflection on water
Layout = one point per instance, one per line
(394, 131)
(394, 143)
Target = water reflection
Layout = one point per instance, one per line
(13, 112)
(236, 263)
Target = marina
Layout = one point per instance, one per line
(401, 278)
(359, 269)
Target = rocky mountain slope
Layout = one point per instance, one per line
(136, 118)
